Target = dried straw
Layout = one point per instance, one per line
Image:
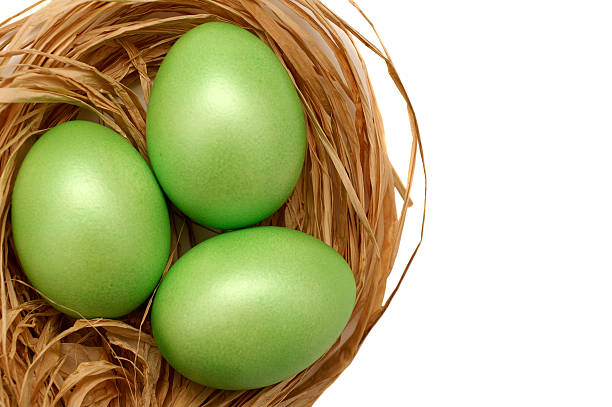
(75, 56)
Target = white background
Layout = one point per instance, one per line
(509, 301)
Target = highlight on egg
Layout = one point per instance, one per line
(249, 308)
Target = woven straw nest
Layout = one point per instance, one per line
(75, 57)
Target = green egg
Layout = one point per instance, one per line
(89, 221)
(250, 308)
(225, 127)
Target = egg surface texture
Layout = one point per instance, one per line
(250, 308)
(225, 127)
(90, 223)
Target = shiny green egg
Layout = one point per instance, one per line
(225, 127)
(250, 308)
(89, 221)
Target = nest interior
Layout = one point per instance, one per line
(75, 57)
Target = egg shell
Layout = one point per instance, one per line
(89, 221)
(225, 127)
(250, 308)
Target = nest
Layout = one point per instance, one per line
(75, 57)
